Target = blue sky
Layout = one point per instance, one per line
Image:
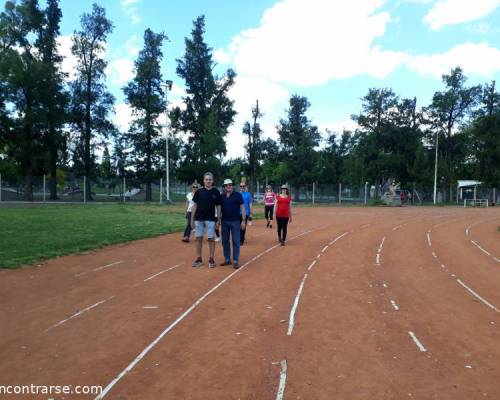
(331, 51)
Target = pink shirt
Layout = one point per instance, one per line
(269, 198)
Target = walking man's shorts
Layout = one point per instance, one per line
(204, 227)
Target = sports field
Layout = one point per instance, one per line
(362, 303)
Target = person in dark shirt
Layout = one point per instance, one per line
(233, 207)
(203, 219)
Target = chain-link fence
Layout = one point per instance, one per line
(80, 189)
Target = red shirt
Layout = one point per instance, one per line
(283, 206)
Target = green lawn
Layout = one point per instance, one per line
(32, 233)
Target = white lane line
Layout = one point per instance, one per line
(397, 227)
(417, 342)
(150, 307)
(377, 256)
(478, 296)
(79, 313)
(434, 255)
(291, 319)
(338, 238)
(161, 272)
(467, 230)
(148, 348)
(496, 259)
(394, 305)
(311, 265)
(381, 245)
(480, 248)
(99, 268)
(281, 388)
(429, 238)
(324, 249)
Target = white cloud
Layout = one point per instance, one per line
(133, 46)
(69, 62)
(130, 8)
(273, 99)
(311, 42)
(475, 59)
(120, 71)
(450, 12)
(123, 116)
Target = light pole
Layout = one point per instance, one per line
(436, 169)
(168, 86)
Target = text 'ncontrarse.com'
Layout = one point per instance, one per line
(48, 389)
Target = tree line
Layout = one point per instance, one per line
(61, 125)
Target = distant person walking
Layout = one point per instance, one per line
(203, 219)
(233, 208)
(283, 213)
(269, 200)
(189, 211)
(248, 201)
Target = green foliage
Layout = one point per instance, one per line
(91, 103)
(298, 139)
(145, 96)
(208, 110)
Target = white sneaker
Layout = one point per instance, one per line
(217, 239)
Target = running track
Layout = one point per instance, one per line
(361, 304)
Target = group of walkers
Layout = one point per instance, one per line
(207, 210)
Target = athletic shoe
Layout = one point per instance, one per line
(236, 265)
(211, 263)
(270, 226)
(267, 224)
(217, 239)
(282, 242)
(185, 239)
(225, 263)
(198, 262)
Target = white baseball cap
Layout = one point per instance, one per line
(228, 182)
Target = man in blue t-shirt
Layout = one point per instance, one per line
(248, 201)
(232, 207)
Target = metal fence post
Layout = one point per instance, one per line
(0, 187)
(84, 189)
(124, 188)
(366, 191)
(161, 190)
(340, 193)
(44, 187)
(314, 191)
(494, 191)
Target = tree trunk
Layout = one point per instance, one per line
(53, 173)
(88, 133)
(28, 190)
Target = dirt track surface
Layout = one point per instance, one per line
(361, 304)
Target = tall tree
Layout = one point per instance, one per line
(91, 102)
(298, 139)
(447, 111)
(378, 106)
(21, 69)
(253, 132)
(208, 111)
(145, 96)
(55, 97)
(485, 135)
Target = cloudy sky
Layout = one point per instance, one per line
(331, 51)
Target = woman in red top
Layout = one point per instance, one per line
(283, 213)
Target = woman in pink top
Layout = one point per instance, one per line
(269, 199)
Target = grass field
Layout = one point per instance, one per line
(30, 234)
(33, 233)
